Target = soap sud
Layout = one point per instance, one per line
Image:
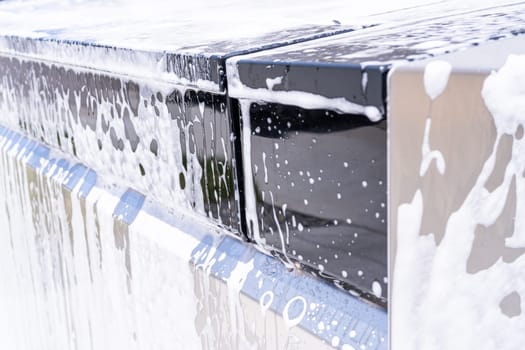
(364, 81)
(78, 272)
(271, 82)
(436, 78)
(429, 155)
(431, 285)
(376, 289)
(157, 25)
(252, 217)
(432, 44)
(301, 99)
(116, 166)
(335, 341)
(235, 282)
(290, 323)
(266, 301)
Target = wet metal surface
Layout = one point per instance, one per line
(320, 180)
(173, 143)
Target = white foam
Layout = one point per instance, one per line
(429, 155)
(271, 82)
(266, 301)
(292, 322)
(47, 119)
(376, 289)
(301, 99)
(436, 78)
(164, 25)
(67, 273)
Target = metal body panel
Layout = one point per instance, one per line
(320, 180)
(171, 142)
(292, 142)
(448, 241)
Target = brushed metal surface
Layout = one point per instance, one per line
(463, 130)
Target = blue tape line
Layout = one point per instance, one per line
(334, 312)
(129, 206)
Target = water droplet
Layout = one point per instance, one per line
(335, 341)
(376, 289)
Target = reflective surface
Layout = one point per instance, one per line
(456, 244)
(320, 181)
(171, 143)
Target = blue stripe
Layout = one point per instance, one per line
(38, 157)
(129, 206)
(335, 312)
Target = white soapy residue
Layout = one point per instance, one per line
(159, 256)
(432, 44)
(159, 24)
(265, 168)
(252, 218)
(364, 81)
(67, 268)
(436, 77)
(271, 82)
(266, 301)
(348, 347)
(429, 155)
(503, 94)
(454, 309)
(335, 341)
(133, 165)
(301, 99)
(376, 289)
(292, 322)
(235, 283)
